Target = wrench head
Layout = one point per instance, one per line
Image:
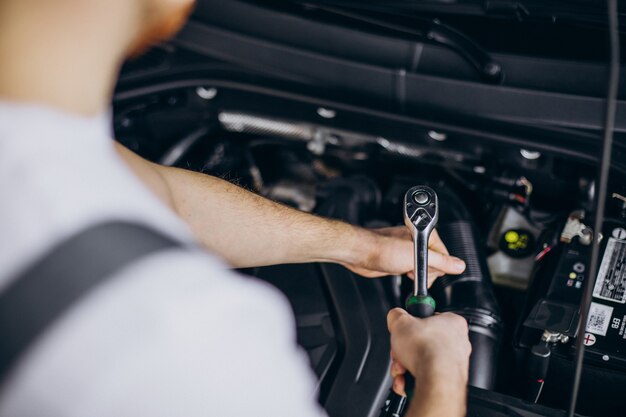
(421, 209)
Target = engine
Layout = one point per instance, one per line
(517, 216)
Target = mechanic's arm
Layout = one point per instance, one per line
(249, 230)
(436, 352)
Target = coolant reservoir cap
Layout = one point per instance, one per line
(517, 243)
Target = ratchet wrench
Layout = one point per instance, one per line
(421, 212)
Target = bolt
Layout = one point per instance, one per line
(585, 236)
(492, 69)
(530, 155)
(326, 113)
(206, 93)
(438, 136)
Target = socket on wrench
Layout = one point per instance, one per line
(421, 212)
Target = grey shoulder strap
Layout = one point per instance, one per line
(41, 294)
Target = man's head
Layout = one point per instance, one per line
(137, 23)
(67, 53)
(161, 20)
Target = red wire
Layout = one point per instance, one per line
(519, 198)
(543, 253)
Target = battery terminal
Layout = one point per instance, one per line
(554, 337)
(574, 227)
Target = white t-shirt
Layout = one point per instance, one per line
(174, 334)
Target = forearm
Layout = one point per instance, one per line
(446, 397)
(244, 228)
(249, 230)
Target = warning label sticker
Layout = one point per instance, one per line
(611, 282)
(599, 319)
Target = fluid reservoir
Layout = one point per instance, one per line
(514, 240)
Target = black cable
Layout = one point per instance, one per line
(605, 164)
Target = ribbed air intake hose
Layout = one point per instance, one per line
(471, 293)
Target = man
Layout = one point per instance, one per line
(176, 333)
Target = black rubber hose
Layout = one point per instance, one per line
(471, 293)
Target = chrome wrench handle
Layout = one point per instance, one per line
(421, 212)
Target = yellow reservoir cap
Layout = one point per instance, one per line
(511, 236)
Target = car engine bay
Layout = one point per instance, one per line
(515, 216)
(516, 203)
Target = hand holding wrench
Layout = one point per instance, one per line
(421, 212)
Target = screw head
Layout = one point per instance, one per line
(438, 136)
(492, 69)
(530, 155)
(206, 93)
(326, 113)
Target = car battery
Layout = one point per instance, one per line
(554, 299)
(551, 315)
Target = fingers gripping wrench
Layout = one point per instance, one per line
(421, 212)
